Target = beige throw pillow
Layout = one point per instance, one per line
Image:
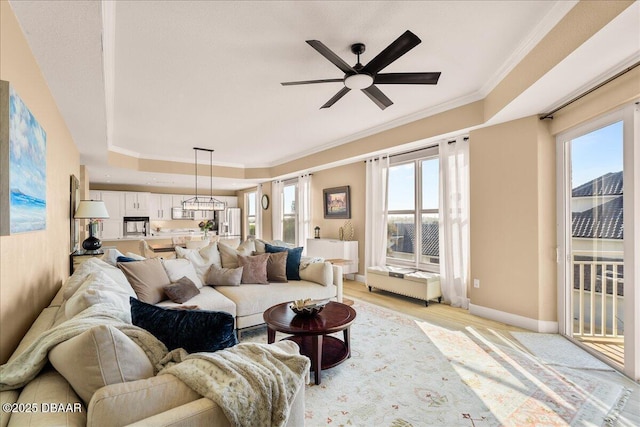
(97, 357)
(148, 278)
(224, 276)
(254, 269)
(229, 255)
(319, 272)
(277, 267)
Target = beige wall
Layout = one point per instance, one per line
(512, 169)
(352, 175)
(33, 265)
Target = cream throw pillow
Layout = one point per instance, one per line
(202, 259)
(178, 268)
(97, 357)
(229, 255)
(319, 272)
(98, 288)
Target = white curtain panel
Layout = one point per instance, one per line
(276, 205)
(259, 212)
(454, 221)
(304, 210)
(375, 252)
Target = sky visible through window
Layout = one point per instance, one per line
(596, 153)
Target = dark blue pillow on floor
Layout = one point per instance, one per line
(293, 259)
(193, 330)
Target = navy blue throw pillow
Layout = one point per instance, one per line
(293, 259)
(193, 330)
(125, 259)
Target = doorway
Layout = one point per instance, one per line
(596, 238)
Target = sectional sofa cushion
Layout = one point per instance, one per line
(181, 290)
(293, 259)
(178, 268)
(97, 288)
(148, 278)
(208, 299)
(192, 330)
(255, 299)
(202, 259)
(277, 267)
(97, 357)
(254, 268)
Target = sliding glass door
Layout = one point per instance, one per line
(594, 234)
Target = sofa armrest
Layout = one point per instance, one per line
(126, 403)
(203, 412)
(337, 280)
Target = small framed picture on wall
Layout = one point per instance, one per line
(337, 203)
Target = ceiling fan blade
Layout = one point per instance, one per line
(328, 53)
(306, 82)
(395, 50)
(378, 97)
(407, 78)
(336, 97)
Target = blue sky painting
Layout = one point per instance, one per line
(27, 168)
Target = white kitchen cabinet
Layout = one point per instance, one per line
(231, 201)
(160, 207)
(344, 253)
(110, 228)
(136, 204)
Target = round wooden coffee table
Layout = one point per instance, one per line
(310, 333)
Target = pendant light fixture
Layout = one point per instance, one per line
(204, 203)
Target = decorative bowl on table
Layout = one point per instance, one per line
(308, 306)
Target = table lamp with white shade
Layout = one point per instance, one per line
(91, 210)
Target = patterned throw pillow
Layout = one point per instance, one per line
(293, 259)
(193, 330)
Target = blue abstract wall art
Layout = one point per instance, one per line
(27, 169)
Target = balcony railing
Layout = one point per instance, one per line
(598, 295)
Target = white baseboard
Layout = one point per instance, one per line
(543, 326)
(360, 278)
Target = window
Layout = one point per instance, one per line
(289, 212)
(250, 200)
(413, 218)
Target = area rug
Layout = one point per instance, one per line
(406, 372)
(553, 349)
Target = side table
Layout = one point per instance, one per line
(78, 257)
(311, 333)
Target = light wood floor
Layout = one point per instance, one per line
(442, 314)
(459, 319)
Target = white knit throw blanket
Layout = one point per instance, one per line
(19, 371)
(254, 384)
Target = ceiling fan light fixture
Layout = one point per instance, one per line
(358, 81)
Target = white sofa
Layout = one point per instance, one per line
(157, 400)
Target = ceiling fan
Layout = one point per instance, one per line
(366, 77)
